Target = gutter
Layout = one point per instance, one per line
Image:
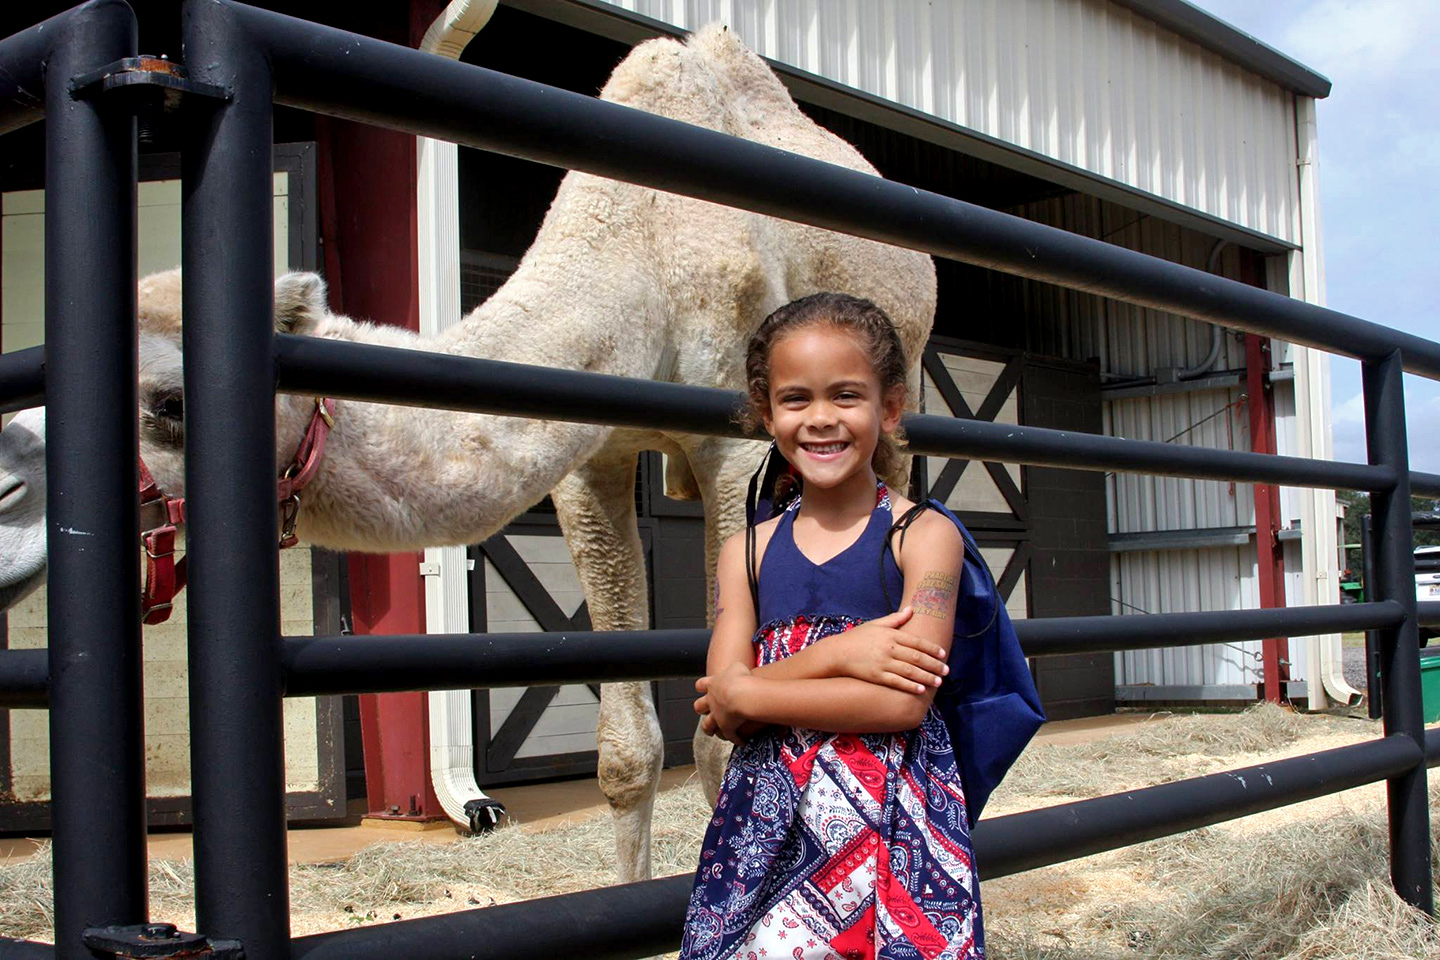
(446, 569)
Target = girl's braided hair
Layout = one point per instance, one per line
(876, 336)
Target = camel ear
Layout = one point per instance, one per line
(300, 302)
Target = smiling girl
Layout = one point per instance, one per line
(840, 830)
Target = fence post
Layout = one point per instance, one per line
(97, 760)
(1399, 646)
(1373, 693)
(236, 734)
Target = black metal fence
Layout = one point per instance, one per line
(242, 60)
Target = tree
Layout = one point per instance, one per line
(1357, 505)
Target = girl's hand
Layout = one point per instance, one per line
(745, 731)
(877, 652)
(718, 703)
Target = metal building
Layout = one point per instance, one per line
(1146, 123)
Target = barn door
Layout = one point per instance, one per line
(980, 383)
(524, 582)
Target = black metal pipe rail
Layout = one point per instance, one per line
(25, 950)
(1424, 484)
(1055, 636)
(97, 766)
(1038, 838)
(329, 665)
(24, 678)
(236, 730)
(357, 371)
(1427, 613)
(22, 72)
(342, 74)
(22, 379)
(646, 918)
(1393, 537)
(611, 923)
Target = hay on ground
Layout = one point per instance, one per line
(1311, 888)
(1163, 748)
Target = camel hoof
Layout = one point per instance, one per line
(484, 815)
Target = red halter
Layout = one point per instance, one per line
(161, 514)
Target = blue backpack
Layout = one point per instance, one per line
(988, 700)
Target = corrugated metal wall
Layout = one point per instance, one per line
(1093, 85)
(1084, 82)
(1132, 342)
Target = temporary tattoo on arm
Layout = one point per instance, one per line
(935, 597)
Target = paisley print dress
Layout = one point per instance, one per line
(829, 846)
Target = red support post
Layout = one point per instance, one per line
(369, 228)
(386, 596)
(1269, 555)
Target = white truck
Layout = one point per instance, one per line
(1427, 582)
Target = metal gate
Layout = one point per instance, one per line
(242, 60)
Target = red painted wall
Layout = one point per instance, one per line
(368, 232)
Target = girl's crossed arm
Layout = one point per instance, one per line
(877, 651)
(815, 688)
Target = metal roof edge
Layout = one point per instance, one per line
(863, 105)
(1210, 32)
(616, 23)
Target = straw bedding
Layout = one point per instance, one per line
(1307, 882)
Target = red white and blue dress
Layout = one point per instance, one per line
(827, 846)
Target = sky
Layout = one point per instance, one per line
(1379, 171)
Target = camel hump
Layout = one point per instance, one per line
(713, 80)
(158, 302)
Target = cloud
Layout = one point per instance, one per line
(1369, 38)
(1422, 421)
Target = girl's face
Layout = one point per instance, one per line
(827, 409)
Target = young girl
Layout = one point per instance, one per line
(840, 829)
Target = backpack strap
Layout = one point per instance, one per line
(901, 525)
(971, 550)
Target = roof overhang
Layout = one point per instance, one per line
(608, 20)
(1213, 34)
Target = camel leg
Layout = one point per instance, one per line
(723, 467)
(596, 506)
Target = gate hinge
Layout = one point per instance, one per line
(145, 82)
(159, 940)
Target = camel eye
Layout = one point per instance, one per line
(170, 406)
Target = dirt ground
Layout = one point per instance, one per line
(1305, 882)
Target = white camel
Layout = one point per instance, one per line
(621, 280)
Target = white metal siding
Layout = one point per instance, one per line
(1132, 341)
(1084, 82)
(1182, 581)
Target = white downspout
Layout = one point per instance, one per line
(447, 607)
(1319, 549)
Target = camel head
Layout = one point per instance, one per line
(299, 301)
(22, 506)
(299, 305)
